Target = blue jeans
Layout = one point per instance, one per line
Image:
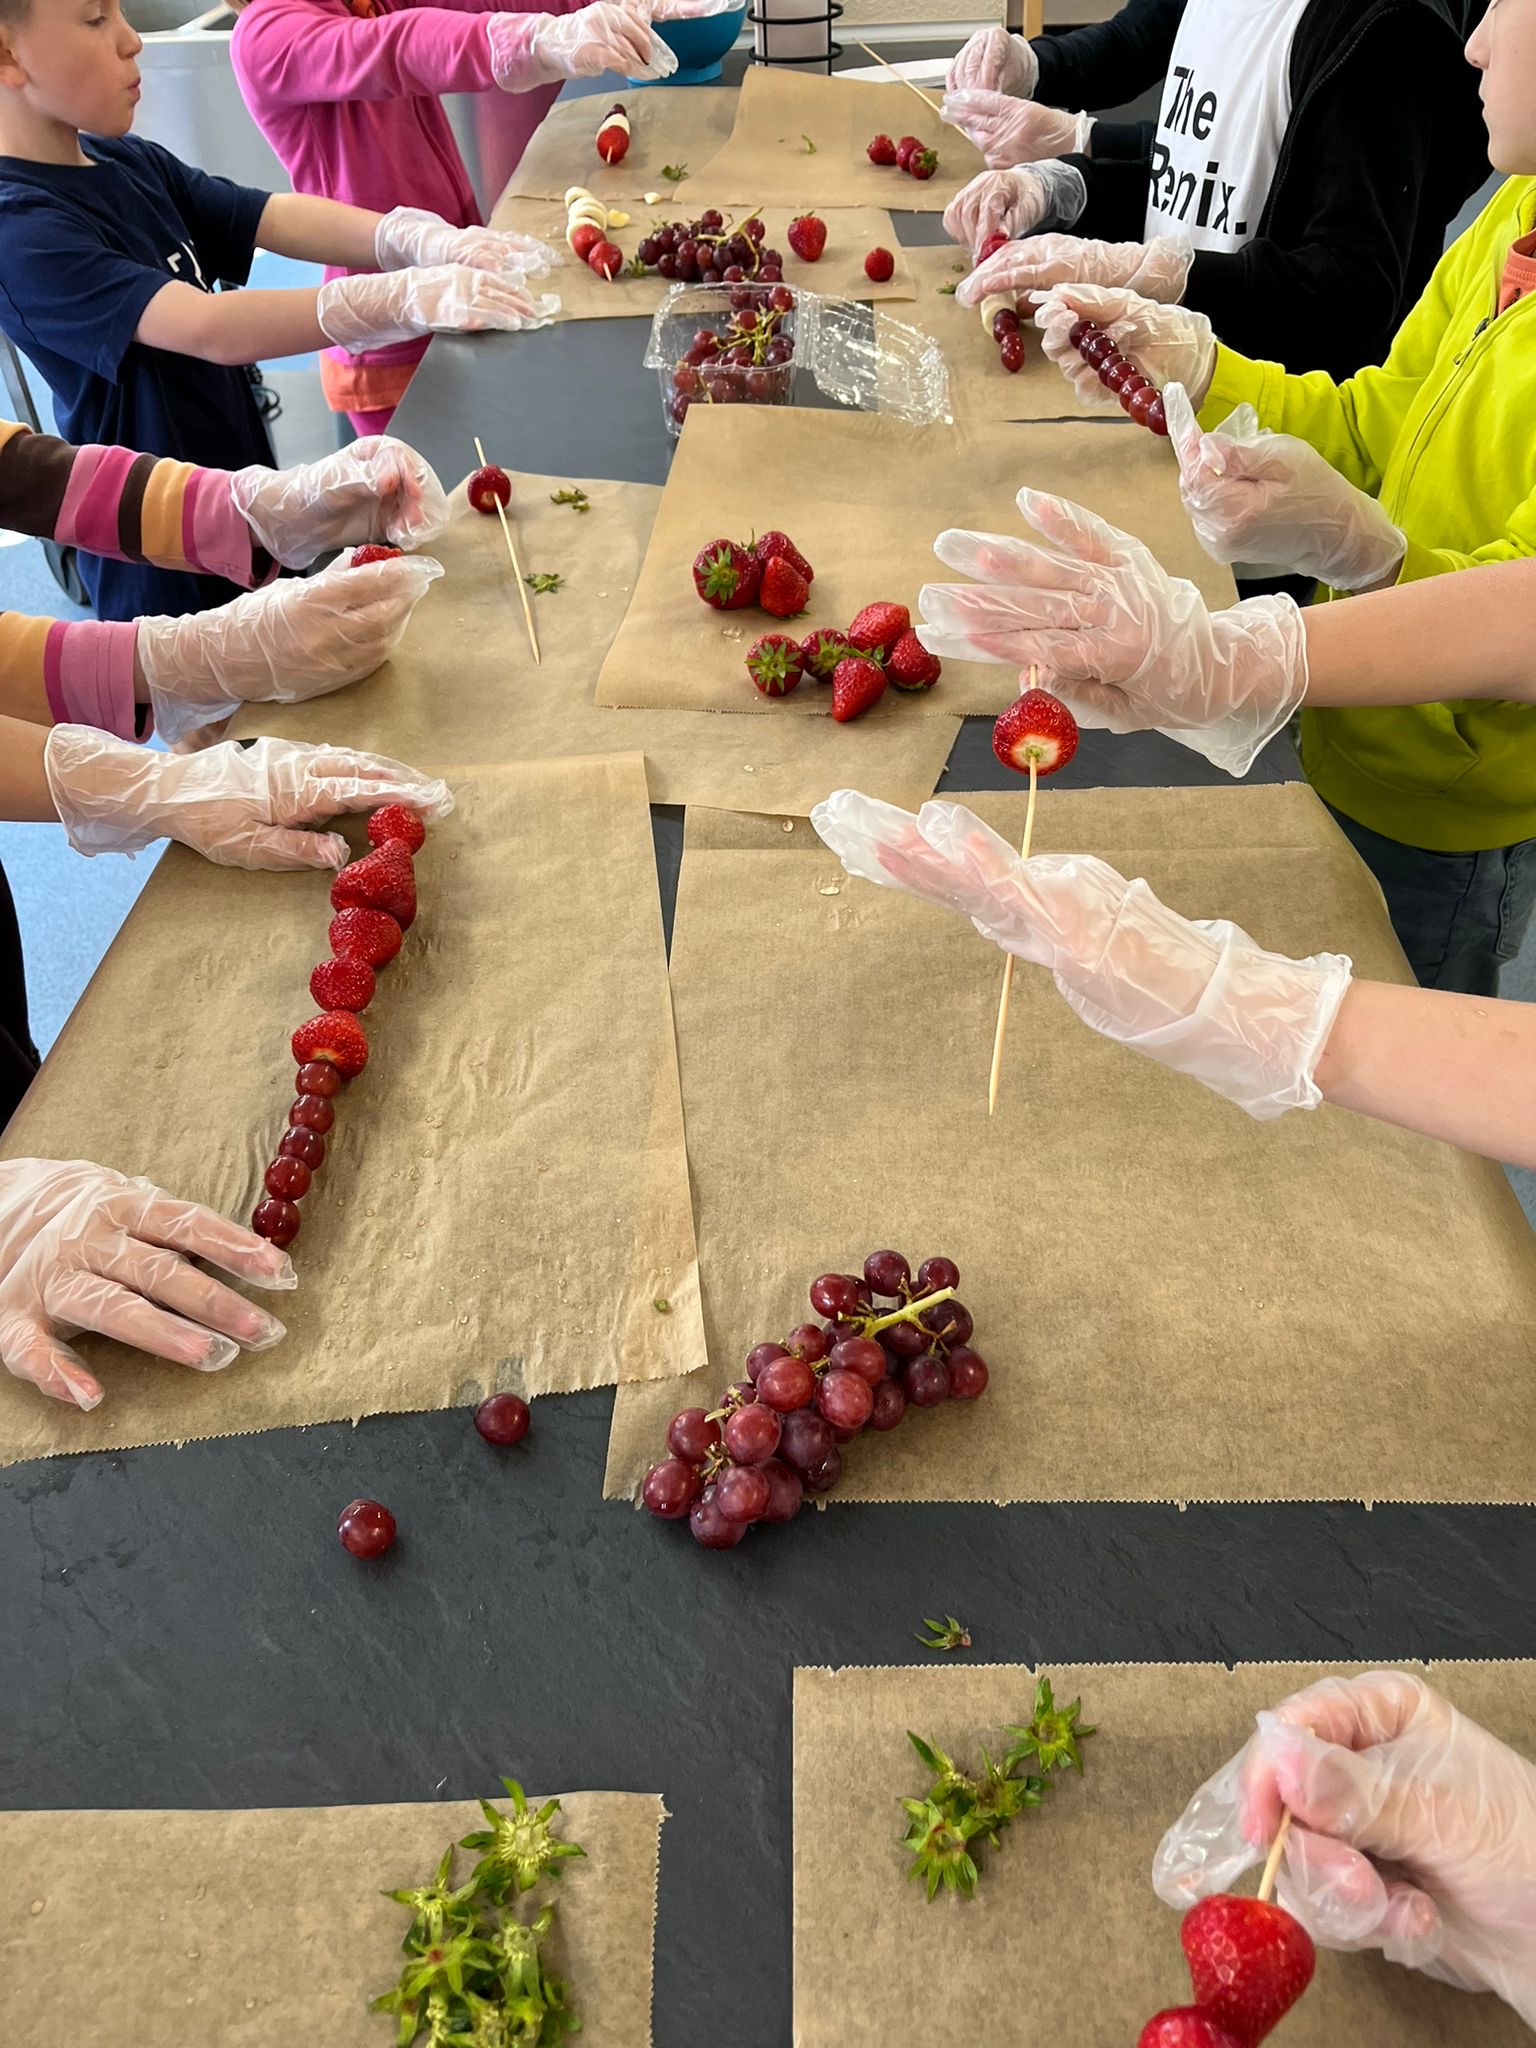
(1458, 916)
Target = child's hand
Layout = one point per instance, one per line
(1011, 131)
(377, 489)
(374, 309)
(297, 638)
(1169, 344)
(528, 50)
(412, 235)
(1015, 203)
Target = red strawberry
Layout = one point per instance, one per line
(774, 664)
(361, 557)
(911, 666)
(905, 150)
(370, 935)
(785, 592)
(606, 259)
(822, 650)
(995, 241)
(808, 237)
(878, 627)
(486, 486)
(381, 880)
(922, 163)
(1184, 2026)
(394, 821)
(879, 266)
(856, 684)
(775, 543)
(337, 1037)
(882, 150)
(584, 239)
(1249, 1962)
(344, 984)
(1037, 726)
(727, 575)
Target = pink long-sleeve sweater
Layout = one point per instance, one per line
(347, 93)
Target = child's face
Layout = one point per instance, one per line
(1503, 47)
(72, 61)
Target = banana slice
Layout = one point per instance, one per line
(588, 209)
(618, 220)
(994, 302)
(574, 192)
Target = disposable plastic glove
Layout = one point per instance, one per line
(297, 638)
(377, 489)
(1169, 344)
(1013, 203)
(84, 1248)
(540, 49)
(410, 235)
(996, 62)
(1126, 646)
(239, 806)
(1157, 269)
(1413, 1832)
(1201, 998)
(376, 308)
(1253, 496)
(688, 10)
(1011, 131)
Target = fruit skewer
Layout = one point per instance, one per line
(1003, 999)
(1276, 1850)
(517, 567)
(899, 76)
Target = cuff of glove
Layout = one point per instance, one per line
(340, 324)
(1240, 380)
(1067, 191)
(91, 779)
(195, 703)
(515, 63)
(88, 675)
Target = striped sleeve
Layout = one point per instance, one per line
(83, 670)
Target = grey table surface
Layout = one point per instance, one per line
(182, 1629)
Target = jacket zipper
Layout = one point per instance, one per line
(1461, 366)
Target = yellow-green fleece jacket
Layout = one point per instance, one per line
(1444, 435)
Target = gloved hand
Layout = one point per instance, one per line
(996, 61)
(1046, 195)
(1254, 496)
(1010, 131)
(687, 10)
(1126, 646)
(1201, 998)
(1157, 269)
(84, 1248)
(539, 49)
(1169, 344)
(378, 489)
(1413, 1832)
(410, 235)
(375, 308)
(296, 638)
(239, 806)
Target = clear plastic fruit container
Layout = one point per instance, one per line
(691, 310)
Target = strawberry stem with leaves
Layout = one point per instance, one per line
(947, 1634)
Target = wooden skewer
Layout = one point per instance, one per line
(517, 567)
(900, 77)
(1272, 1861)
(1002, 1003)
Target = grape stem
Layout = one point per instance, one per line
(912, 1312)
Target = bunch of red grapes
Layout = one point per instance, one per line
(709, 251)
(749, 362)
(1138, 395)
(778, 1434)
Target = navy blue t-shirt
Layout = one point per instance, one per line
(83, 250)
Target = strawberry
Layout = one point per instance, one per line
(906, 149)
(727, 575)
(1249, 1961)
(345, 984)
(336, 1037)
(361, 557)
(911, 666)
(381, 880)
(1039, 727)
(808, 237)
(370, 935)
(487, 485)
(879, 266)
(922, 163)
(584, 240)
(774, 664)
(394, 821)
(606, 259)
(1184, 2026)
(995, 241)
(822, 650)
(882, 150)
(613, 137)
(878, 627)
(775, 543)
(785, 592)
(856, 684)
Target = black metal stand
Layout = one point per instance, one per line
(828, 14)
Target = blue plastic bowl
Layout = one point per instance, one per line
(700, 45)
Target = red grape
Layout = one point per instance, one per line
(275, 1220)
(761, 1355)
(933, 1274)
(288, 1177)
(1146, 409)
(1010, 351)
(808, 1342)
(927, 1382)
(823, 1476)
(317, 1077)
(837, 1295)
(742, 1492)
(1114, 376)
(950, 1322)
(1004, 321)
(967, 1374)
(806, 1441)
(907, 1340)
(710, 1527)
(860, 1355)
(785, 1492)
(312, 1113)
(887, 1273)
(365, 1528)
(671, 1488)
(1098, 348)
(890, 1405)
(503, 1419)
(692, 1436)
(752, 1435)
(844, 1399)
(1082, 332)
(786, 1384)
(298, 1143)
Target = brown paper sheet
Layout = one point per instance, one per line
(1065, 1940)
(863, 497)
(265, 1927)
(505, 1191)
(683, 126)
(981, 391)
(766, 163)
(585, 296)
(463, 687)
(1177, 1303)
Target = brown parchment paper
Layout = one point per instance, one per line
(981, 391)
(505, 1192)
(839, 272)
(265, 1927)
(863, 497)
(1177, 1302)
(684, 126)
(463, 688)
(766, 162)
(1065, 1940)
